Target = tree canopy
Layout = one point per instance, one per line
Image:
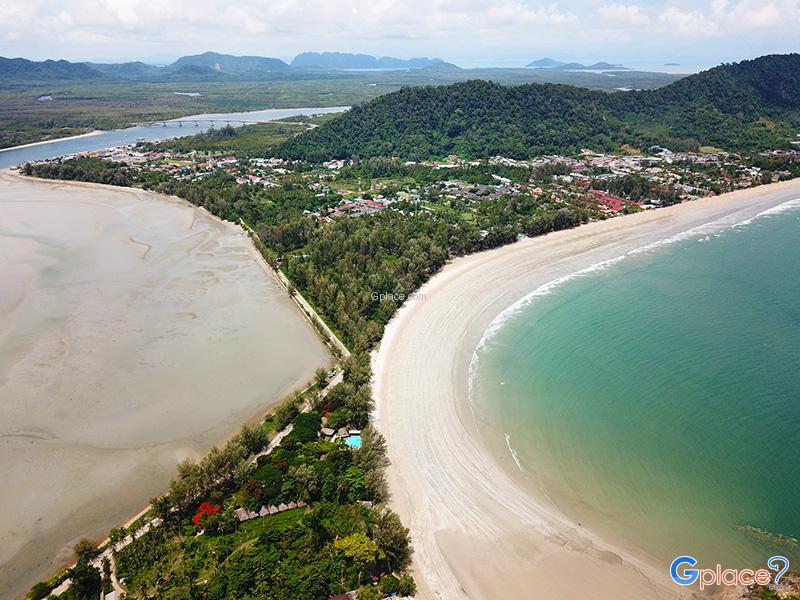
(743, 106)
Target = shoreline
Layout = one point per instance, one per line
(54, 140)
(59, 555)
(477, 530)
(185, 118)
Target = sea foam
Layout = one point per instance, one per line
(703, 232)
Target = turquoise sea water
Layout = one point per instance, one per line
(657, 401)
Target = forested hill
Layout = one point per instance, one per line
(742, 106)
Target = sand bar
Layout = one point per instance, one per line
(58, 139)
(478, 532)
(135, 331)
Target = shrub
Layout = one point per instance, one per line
(390, 584)
(406, 586)
(306, 426)
(38, 591)
(369, 592)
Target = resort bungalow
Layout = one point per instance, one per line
(241, 515)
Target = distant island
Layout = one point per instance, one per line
(549, 63)
(346, 60)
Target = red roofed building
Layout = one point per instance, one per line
(614, 203)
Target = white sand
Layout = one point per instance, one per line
(50, 141)
(135, 331)
(477, 531)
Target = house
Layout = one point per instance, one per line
(614, 203)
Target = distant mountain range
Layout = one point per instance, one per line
(21, 69)
(549, 63)
(209, 65)
(344, 60)
(234, 65)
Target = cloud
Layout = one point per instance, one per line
(302, 24)
(82, 29)
(748, 15)
(687, 22)
(624, 15)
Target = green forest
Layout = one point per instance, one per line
(744, 106)
(337, 266)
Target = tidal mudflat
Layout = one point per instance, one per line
(135, 331)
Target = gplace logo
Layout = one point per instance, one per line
(683, 572)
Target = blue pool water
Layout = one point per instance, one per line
(354, 441)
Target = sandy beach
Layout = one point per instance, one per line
(478, 531)
(61, 139)
(135, 331)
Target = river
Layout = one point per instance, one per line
(167, 129)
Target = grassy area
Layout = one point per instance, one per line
(249, 140)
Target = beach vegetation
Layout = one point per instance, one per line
(339, 535)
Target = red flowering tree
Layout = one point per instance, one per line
(206, 510)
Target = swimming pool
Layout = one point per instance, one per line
(354, 441)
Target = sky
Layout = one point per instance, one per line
(469, 33)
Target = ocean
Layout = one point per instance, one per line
(655, 399)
